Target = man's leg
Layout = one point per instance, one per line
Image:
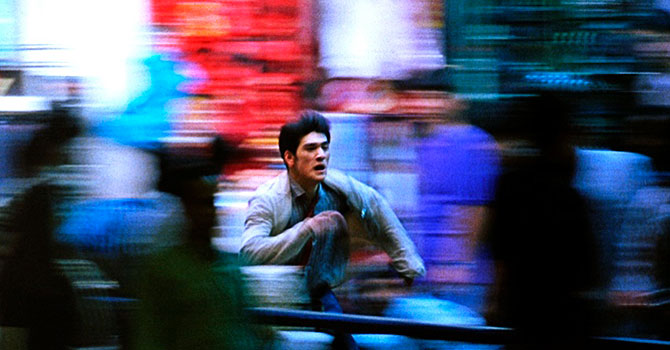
(330, 251)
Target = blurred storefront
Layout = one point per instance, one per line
(254, 56)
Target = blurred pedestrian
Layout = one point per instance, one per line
(126, 217)
(37, 302)
(457, 169)
(191, 296)
(541, 239)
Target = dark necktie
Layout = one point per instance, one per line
(307, 249)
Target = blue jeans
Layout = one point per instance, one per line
(325, 300)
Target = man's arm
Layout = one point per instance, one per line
(259, 248)
(386, 230)
(398, 245)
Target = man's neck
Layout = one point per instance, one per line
(309, 187)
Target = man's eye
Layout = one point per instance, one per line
(325, 147)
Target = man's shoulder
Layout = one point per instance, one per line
(275, 186)
(343, 182)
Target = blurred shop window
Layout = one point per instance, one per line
(97, 40)
(378, 39)
(7, 29)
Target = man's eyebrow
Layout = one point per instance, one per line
(316, 143)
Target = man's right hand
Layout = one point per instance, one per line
(324, 222)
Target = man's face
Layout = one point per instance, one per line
(309, 165)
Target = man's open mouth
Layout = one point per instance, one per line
(320, 167)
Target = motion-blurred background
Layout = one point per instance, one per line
(425, 98)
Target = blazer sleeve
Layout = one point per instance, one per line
(259, 247)
(386, 230)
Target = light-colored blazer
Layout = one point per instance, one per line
(267, 241)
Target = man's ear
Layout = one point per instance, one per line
(289, 158)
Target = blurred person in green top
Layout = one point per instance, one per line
(192, 296)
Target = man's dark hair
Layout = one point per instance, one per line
(291, 133)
